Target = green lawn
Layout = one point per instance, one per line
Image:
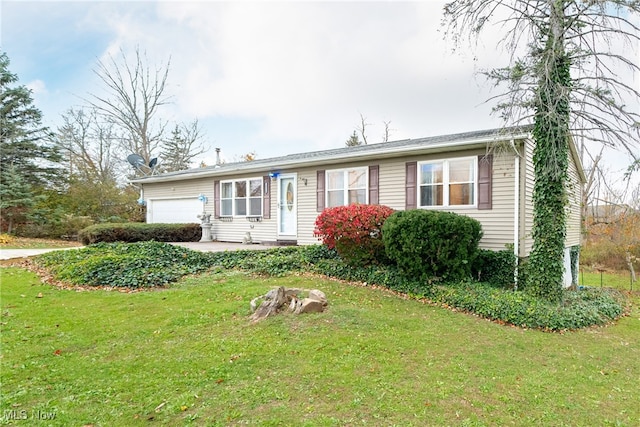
(189, 355)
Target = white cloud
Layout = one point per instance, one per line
(306, 71)
(281, 77)
(38, 87)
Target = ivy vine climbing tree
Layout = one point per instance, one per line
(567, 83)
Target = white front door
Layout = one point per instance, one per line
(287, 206)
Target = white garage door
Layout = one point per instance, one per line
(174, 210)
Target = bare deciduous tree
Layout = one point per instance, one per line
(362, 128)
(134, 95)
(88, 145)
(387, 131)
(598, 38)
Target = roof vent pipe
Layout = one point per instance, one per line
(217, 157)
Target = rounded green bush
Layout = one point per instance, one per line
(427, 244)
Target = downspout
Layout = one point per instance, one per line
(141, 200)
(516, 213)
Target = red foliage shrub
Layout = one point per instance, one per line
(355, 231)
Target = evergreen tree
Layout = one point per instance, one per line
(179, 151)
(353, 140)
(24, 142)
(16, 198)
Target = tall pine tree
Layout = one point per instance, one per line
(24, 143)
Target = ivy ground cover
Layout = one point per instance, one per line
(188, 355)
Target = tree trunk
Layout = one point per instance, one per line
(631, 269)
(551, 162)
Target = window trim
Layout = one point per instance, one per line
(446, 182)
(247, 199)
(345, 189)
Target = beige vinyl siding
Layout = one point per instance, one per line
(526, 210)
(573, 211)
(497, 223)
(307, 206)
(235, 229)
(392, 183)
(180, 189)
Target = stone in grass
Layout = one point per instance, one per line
(318, 296)
(310, 306)
(281, 298)
(273, 300)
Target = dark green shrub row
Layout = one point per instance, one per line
(139, 232)
(388, 276)
(495, 267)
(147, 264)
(135, 265)
(274, 262)
(578, 309)
(425, 243)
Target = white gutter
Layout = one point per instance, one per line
(516, 213)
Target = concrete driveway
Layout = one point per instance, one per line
(196, 246)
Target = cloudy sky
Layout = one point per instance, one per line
(269, 77)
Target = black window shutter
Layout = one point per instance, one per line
(216, 199)
(411, 191)
(485, 175)
(266, 197)
(320, 191)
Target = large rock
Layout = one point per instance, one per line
(318, 296)
(311, 306)
(281, 298)
(272, 302)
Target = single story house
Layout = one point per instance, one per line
(277, 200)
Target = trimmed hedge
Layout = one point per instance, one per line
(426, 243)
(139, 232)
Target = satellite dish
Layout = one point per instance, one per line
(138, 162)
(135, 160)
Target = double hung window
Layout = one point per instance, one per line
(346, 186)
(241, 197)
(447, 182)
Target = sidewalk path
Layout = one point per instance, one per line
(23, 253)
(196, 246)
